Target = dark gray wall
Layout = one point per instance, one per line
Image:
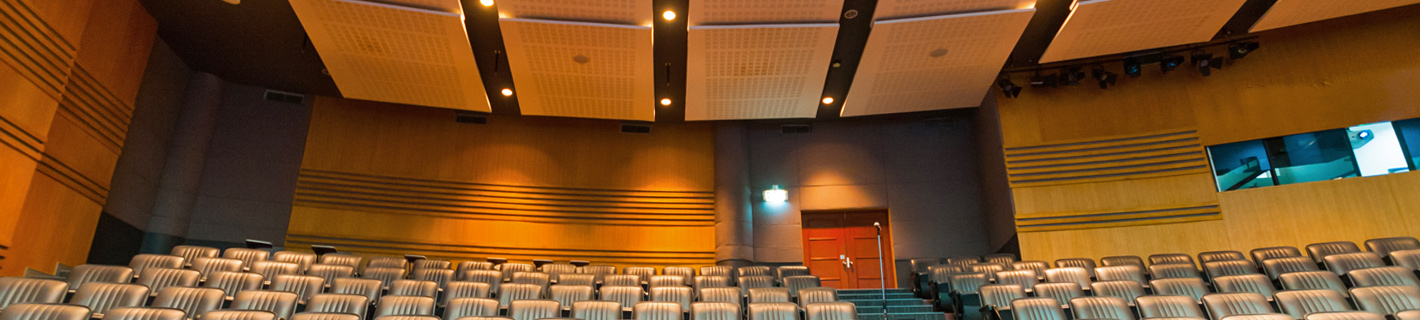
(996, 196)
(140, 166)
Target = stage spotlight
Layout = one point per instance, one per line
(1133, 67)
(1009, 88)
(1071, 76)
(1105, 78)
(1206, 62)
(1169, 62)
(1241, 49)
(1040, 81)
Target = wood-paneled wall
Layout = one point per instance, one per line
(380, 178)
(1118, 171)
(69, 80)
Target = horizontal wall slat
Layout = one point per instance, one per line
(1100, 143)
(1087, 220)
(29, 45)
(1106, 159)
(22, 141)
(471, 252)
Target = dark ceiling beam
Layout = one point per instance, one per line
(486, 38)
(847, 53)
(670, 47)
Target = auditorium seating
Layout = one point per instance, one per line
(139, 313)
(26, 290)
(30, 311)
(1299, 303)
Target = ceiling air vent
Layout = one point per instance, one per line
(286, 97)
(796, 128)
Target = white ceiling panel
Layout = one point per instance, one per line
(725, 12)
(898, 9)
(933, 63)
(451, 6)
(633, 12)
(1294, 12)
(757, 71)
(580, 69)
(397, 54)
(1103, 27)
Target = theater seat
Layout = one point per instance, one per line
(1342, 263)
(1384, 246)
(303, 286)
(1409, 259)
(726, 295)
(407, 317)
(1188, 287)
(1038, 267)
(626, 296)
(388, 262)
(440, 277)
(1349, 315)
(1248, 283)
(1275, 267)
(751, 282)
(768, 295)
(965, 294)
(352, 261)
(339, 303)
(404, 306)
(1173, 271)
(324, 316)
(464, 289)
(534, 309)
(773, 311)
(1127, 290)
(1384, 276)
(577, 279)
(192, 301)
(990, 269)
(712, 311)
(33, 311)
(602, 310)
(384, 275)
(1313, 280)
(238, 315)
(831, 311)
(1299, 303)
(100, 297)
(30, 290)
(471, 307)
(87, 273)
(1062, 292)
(1121, 273)
(246, 255)
(721, 271)
(1113, 308)
(233, 282)
(1172, 258)
(485, 318)
(368, 288)
(1319, 251)
(1408, 315)
(1037, 309)
(656, 311)
(1267, 316)
(751, 271)
(1263, 254)
(963, 261)
(1210, 256)
(329, 272)
(1169, 307)
(270, 269)
(687, 274)
(598, 271)
(1387, 300)
(208, 266)
(554, 271)
(139, 313)
(566, 294)
(283, 304)
(644, 273)
(939, 284)
(702, 282)
(191, 253)
(144, 261)
(1225, 268)
(796, 283)
(156, 279)
(809, 296)
(666, 281)
(511, 268)
(539, 279)
(493, 278)
(996, 299)
(302, 259)
(679, 295)
(519, 291)
(404, 287)
(621, 280)
(472, 265)
(790, 271)
(1221, 305)
(1024, 278)
(1004, 259)
(431, 264)
(1087, 264)
(1074, 275)
(1122, 261)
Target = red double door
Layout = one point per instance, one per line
(841, 248)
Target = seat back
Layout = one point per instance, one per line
(233, 282)
(942, 273)
(1000, 295)
(324, 316)
(144, 261)
(34, 311)
(773, 311)
(1249, 283)
(1037, 309)
(238, 315)
(190, 253)
(404, 306)
(1210, 256)
(100, 297)
(722, 271)
(471, 307)
(465, 289)
(440, 277)
(968, 282)
(644, 273)
(388, 262)
(1034, 265)
(493, 278)
(1348, 315)
(1383, 276)
(726, 295)
(384, 275)
(87, 273)
(598, 271)
(208, 266)
(329, 272)
(751, 282)
(1172, 258)
(369, 288)
(1384, 246)
(751, 271)
(1387, 300)
(1169, 307)
(686, 273)
(140, 313)
(601, 310)
(534, 309)
(790, 271)
(246, 255)
(990, 269)
(711, 311)
(1263, 254)
(1004, 259)
(702, 282)
(1275, 267)
(1319, 251)
(767, 295)
(472, 265)
(1313, 280)
(1087, 264)
(963, 261)
(1225, 268)
(519, 291)
(1121, 273)
(404, 287)
(627, 296)
(352, 261)
(567, 294)
(1101, 307)
(30, 290)
(270, 269)
(432, 264)
(1123, 289)
(303, 286)
(556, 270)
(339, 303)
(511, 268)
(1299, 303)
(1409, 259)
(1062, 292)
(193, 301)
(1220, 305)
(1188, 287)
(680, 295)
(1075, 275)
(302, 259)
(831, 311)
(1122, 261)
(920, 265)
(620, 280)
(1172, 271)
(796, 283)
(577, 279)
(1342, 263)
(656, 311)
(283, 304)
(1024, 278)
(809, 296)
(666, 281)
(156, 279)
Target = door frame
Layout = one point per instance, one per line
(889, 257)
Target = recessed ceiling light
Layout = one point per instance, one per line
(233, 2)
(581, 59)
(486, 3)
(938, 53)
(665, 101)
(827, 100)
(507, 92)
(669, 15)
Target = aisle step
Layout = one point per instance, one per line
(894, 309)
(904, 316)
(874, 296)
(890, 302)
(872, 291)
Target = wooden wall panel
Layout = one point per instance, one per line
(1352, 209)
(380, 178)
(115, 48)
(57, 225)
(66, 18)
(1188, 237)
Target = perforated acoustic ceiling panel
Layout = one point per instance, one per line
(1294, 12)
(727, 12)
(633, 12)
(451, 6)
(1103, 27)
(581, 69)
(898, 9)
(757, 71)
(932, 63)
(397, 54)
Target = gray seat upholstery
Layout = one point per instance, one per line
(208, 266)
(796, 283)
(621, 280)
(432, 264)
(486, 318)
(831, 311)
(440, 277)
(281, 303)
(1319, 251)
(1265, 316)
(1188, 287)
(156, 279)
(405, 287)
(1123, 289)
(233, 282)
(726, 295)
(1225, 268)
(990, 269)
(352, 261)
(472, 265)
(35, 311)
(556, 270)
(100, 297)
(1383, 276)
(1263, 254)
(191, 253)
(751, 271)
(723, 271)
(368, 288)
(1113, 308)
(31, 290)
(1275, 267)
(1387, 300)
(768, 295)
(329, 272)
(627, 296)
(1039, 267)
(1024, 278)
(324, 316)
(302, 259)
(404, 306)
(385, 275)
(598, 271)
(1172, 271)
(192, 301)
(577, 279)
(270, 269)
(144, 261)
(1407, 315)
(751, 282)
(1348, 315)
(388, 262)
(464, 289)
(87, 273)
(471, 307)
(702, 282)
(1299, 303)
(407, 317)
(566, 294)
(772, 311)
(939, 280)
(643, 273)
(680, 295)
(1087, 264)
(511, 268)
(1038, 309)
(653, 310)
(1062, 292)
(519, 291)
(687, 274)
(1409, 259)
(1172, 258)
(139, 313)
(304, 287)
(1220, 305)
(1169, 307)
(790, 271)
(603, 310)
(710, 311)
(1342, 263)
(493, 278)
(1122, 261)
(534, 309)
(968, 283)
(1000, 295)
(809, 296)
(1313, 280)
(962, 261)
(1074, 275)
(1004, 259)
(1121, 273)
(339, 303)
(238, 315)
(1205, 257)
(1254, 283)
(246, 255)
(542, 280)
(1384, 246)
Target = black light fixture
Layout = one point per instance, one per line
(1206, 62)
(1105, 78)
(1133, 67)
(1040, 81)
(1169, 62)
(1071, 76)
(1009, 88)
(1238, 50)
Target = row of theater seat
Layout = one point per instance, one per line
(520, 310)
(1374, 281)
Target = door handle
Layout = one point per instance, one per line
(848, 262)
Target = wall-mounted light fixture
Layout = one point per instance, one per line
(776, 195)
